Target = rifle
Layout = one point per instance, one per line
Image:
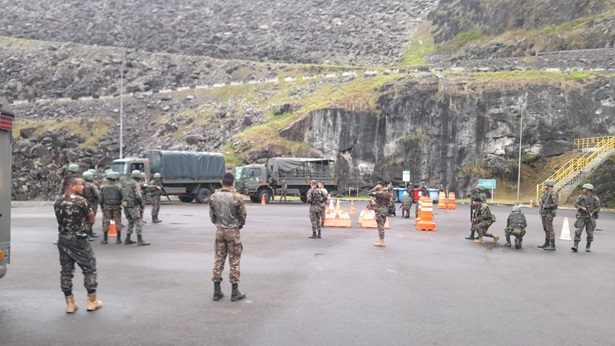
(165, 193)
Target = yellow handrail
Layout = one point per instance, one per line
(600, 145)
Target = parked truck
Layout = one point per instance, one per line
(189, 175)
(266, 180)
(6, 127)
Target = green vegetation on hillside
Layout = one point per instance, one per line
(421, 46)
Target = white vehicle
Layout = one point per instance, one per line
(6, 147)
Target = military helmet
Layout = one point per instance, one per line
(516, 209)
(111, 175)
(136, 174)
(88, 176)
(588, 186)
(549, 182)
(142, 175)
(479, 186)
(157, 175)
(73, 168)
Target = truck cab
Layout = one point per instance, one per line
(6, 147)
(252, 181)
(125, 166)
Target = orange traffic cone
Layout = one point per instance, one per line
(263, 201)
(112, 229)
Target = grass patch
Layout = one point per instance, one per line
(91, 131)
(421, 46)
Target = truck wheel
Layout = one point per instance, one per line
(186, 198)
(267, 195)
(202, 196)
(254, 199)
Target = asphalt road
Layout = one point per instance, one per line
(424, 288)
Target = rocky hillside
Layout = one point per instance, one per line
(470, 29)
(356, 31)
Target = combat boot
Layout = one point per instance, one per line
(508, 241)
(545, 244)
(105, 238)
(318, 236)
(140, 241)
(236, 294)
(93, 303)
(587, 246)
(517, 243)
(479, 241)
(118, 237)
(155, 219)
(128, 241)
(575, 246)
(71, 306)
(313, 235)
(379, 243)
(551, 246)
(471, 237)
(496, 238)
(217, 292)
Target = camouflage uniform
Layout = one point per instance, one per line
(284, 192)
(228, 212)
(482, 220)
(515, 225)
(380, 205)
(111, 204)
(132, 202)
(92, 195)
(316, 199)
(547, 207)
(586, 220)
(406, 205)
(478, 193)
(71, 213)
(155, 191)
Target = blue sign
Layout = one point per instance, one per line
(487, 183)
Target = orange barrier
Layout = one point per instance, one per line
(442, 200)
(418, 211)
(426, 214)
(451, 203)
(367, 219)
(112, 231)
(337, 218)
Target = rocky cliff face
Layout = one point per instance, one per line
(454, 130)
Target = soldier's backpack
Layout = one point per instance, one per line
(112, 195)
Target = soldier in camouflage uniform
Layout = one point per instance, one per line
(73, 213)
(547, 207)
(155, 190)
(515, 225)
(92, 195)
(316, 199)
(228, 212)
(588, 207)
(478, 192)
(132, 201)
(72, 170)
(380, 204)
(482, 220)
(144, 189)
(406, 204)
(111, 205)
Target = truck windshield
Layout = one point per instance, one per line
(119, 167)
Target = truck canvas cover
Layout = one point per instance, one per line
(306, 167)
(186, 164)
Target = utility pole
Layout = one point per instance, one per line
(122, 104)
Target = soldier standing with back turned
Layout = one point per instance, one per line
(547, 207)
(228, 212)
(111, 204)
(316, 200)
(132, 201)
(588, 206)
(73, 214)
(380, 203)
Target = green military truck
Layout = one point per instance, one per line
(187, 174)
(265, 180)
(6, 127)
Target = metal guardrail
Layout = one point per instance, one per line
(574, 166)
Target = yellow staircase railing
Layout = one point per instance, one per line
(573, 167)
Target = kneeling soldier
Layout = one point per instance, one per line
(482, 219)
(515, 225)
